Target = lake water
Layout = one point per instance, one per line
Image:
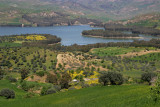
(69, 34)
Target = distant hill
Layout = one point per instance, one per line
(146, 20)
(116, 9)
(12, 11)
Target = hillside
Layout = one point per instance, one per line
(147, 20)
(61, 12)
(37, 13)
(113, 96)
(116, 9)
(36, 65)
(150, 20)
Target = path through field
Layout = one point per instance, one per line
(131, 54)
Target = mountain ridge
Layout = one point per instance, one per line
(12, 11)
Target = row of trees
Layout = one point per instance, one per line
(111, 78)
(133, 29)
(86, 48)
(107, 33)
(114, 78)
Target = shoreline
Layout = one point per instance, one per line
(41, 25)
(113, 37)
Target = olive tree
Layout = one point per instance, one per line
(111, 78)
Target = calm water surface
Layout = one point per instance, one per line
(69, 34)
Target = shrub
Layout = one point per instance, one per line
(7, 93)
(48, 90)
(32, 77)
(66, 78)
(85, 85)
(29, 95)
(1, 73)
(41, 73)
(51, 91)
(24, 73)
(155, 90)
(44, 90)
(57, 87)
(52, 79)
(147, 77)
(1, 77)
(26, 86)
(71, 88)
(12, 79)
(111, 78)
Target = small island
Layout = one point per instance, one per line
(100, 33)
(28, 40)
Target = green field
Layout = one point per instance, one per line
(6, 84)
(129, 67)
(41, 63)
(109, 96)
(10, 44)
(148, 57)
(148, 23)
(112, 51)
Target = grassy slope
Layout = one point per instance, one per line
(148, 23)
(148, 57)
(113, 96)
(152, 57)
(113, 10)
(22, 7)
(29, 53)
(9, 44)
(112, 51)
(7, 84)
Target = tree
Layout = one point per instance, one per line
(24, 73)
(40, 73)
(66, 78)
(12, 79)
(52, 79)
(48, 90)
(44, 90)
(60, 65)
(1, 73)
(7, 93)
(155, 90)
(112, 78)
(148, 77)
(51, 91)
(44, 68)
(24, 59)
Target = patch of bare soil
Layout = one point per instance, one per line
(70, 61)
(132, 54)
(38, 78)
(91, 50)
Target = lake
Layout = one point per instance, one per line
(69, 34)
